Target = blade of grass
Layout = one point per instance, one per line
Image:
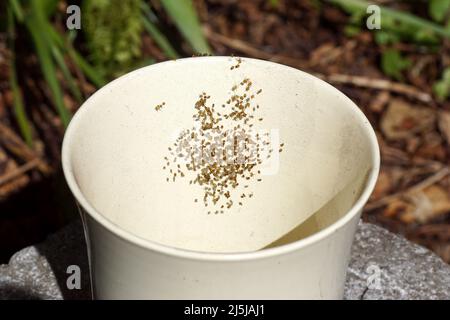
(156, 34)
(18, 105)
(19, 108)
(185, 18)
(49, 6)
(84, 66)
(87, 69)
(360, 5)
(36, 25)
(16, 7)
(57, 55)
(55, 37)
(68, 48)
(160, 39)
(142, 63)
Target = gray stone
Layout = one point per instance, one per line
(406, 270)
(40, 271)
(383, 266)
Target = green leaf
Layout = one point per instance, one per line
(73, 87)
(438, 9)
(81, 63)
(19, 110)
(17, 9)
(90, 72)
(18, 105)
(351, 30)
(273, 3)
(157, 35)
(392, 63)
(37, 26)
(160, 39)
(384, 38)
(353, 27)
(185, 18)
(411, 22)
(49, 7)
(441, 88)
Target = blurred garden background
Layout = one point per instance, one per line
(399, 75)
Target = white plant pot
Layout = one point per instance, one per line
(147, 238)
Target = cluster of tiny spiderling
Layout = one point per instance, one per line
(222, 152)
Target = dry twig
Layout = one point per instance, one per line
(442, 173)
(358, 81)
(379, 84)
(15, 145)
(19, 171)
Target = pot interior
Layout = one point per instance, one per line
(117, 153)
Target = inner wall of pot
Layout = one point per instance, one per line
(334, 210)
(119, 142)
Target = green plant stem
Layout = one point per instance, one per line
(82, 64)
(57, 55)
(185, 18)
(48, 69)
(54, 37)
(360, 5)
(156, 34)
(37, 26)
(18, 12)
(18, 105)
